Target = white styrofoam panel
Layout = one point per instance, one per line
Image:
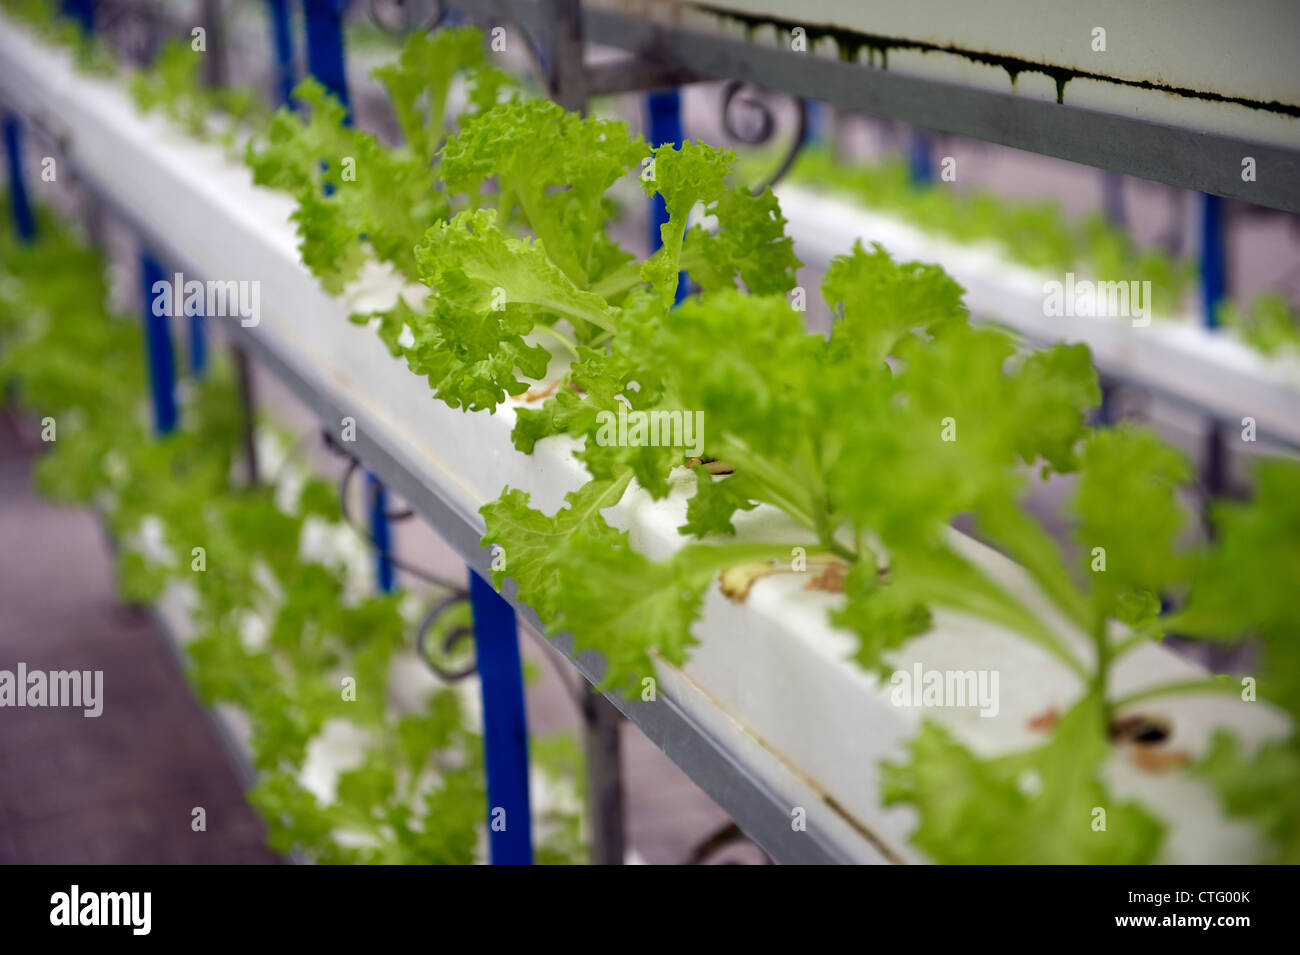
(770, 676)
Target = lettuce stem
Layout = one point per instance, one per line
(1200, 685)
(1102, 641)
(558, 336)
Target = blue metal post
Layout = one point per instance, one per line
(325, 46)
(814, 132)
(505, 726)
(198, 346)
(282, 40)
(919, 161)
(1214, 280)
(83, 11)
(325, 61)
(664, 110)
(20, 206)
(380, 533)
(158, 345)
(1214, 289)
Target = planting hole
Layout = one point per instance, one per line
(1143, 730)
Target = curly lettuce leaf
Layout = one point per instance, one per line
(684, 175)
(749, 243)
(583, 577)
(419, 81)
(878, 301)
(1033, 808)
(555, 165)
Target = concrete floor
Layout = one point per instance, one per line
(121, 787)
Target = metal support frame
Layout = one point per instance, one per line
(1214, 289)
(505, 726)
(572, 81)
(282, 44)
(563, 54)
(324, 22)
(158, 347)
(20, 206)
(603, 748)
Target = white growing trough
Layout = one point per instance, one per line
(1213, 372)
